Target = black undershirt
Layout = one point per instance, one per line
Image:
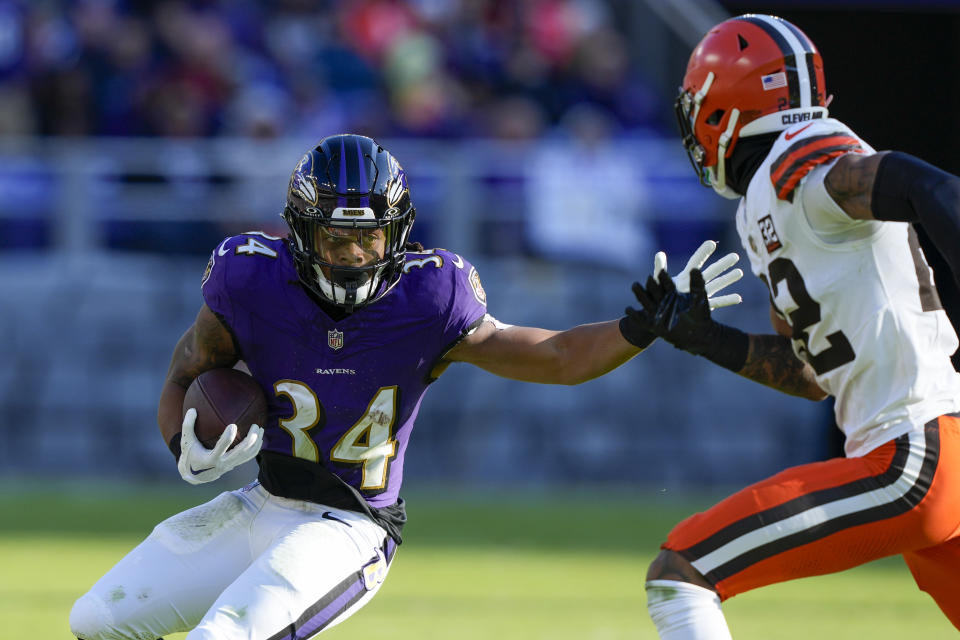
(746, 158)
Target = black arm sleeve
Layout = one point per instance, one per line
(907, 189)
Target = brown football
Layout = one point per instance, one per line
(222, 397)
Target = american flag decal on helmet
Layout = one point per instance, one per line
(774, 81)
(802, 156)
(798, 73)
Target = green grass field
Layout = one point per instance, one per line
(518, 567)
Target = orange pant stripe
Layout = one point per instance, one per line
(829, 516)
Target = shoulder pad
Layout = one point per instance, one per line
(804, 146)
(435, 258)
(445, 271)
(240, 258)
(251, 243)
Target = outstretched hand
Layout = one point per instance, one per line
(682, 319)
(640, 329)
(717, 276)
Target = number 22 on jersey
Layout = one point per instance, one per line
(805, 315)
(369, 442)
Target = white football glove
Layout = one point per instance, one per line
(713, 276)
(198, 464)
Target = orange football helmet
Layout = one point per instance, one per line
(749, 75)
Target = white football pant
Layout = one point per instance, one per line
(246, 565)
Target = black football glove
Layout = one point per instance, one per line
(683, 320)
(639, 327)
(635, 333)
(640, 330)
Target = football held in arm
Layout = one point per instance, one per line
(369, 320)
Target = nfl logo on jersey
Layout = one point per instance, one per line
(335, 339)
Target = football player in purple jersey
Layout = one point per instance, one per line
(344, 324)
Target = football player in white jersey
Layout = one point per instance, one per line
(826, 222)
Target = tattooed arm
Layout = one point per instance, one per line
(207, 344)
(850, 183)
(898, 187)
(772, 362)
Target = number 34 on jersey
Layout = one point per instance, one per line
(369, 442)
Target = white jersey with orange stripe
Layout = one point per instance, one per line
(858, 295)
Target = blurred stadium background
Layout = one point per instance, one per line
(540, 141)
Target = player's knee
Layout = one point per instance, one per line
(91, 620)
(670, 565)
(666, 566)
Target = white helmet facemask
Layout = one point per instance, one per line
(349, 212)
(362, 289)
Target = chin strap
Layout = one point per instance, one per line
(350, 295)
(345, 295)
(719, 182)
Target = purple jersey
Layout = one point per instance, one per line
(343, 394)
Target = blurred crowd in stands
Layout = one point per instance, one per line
(257, 68)
(571, 71)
